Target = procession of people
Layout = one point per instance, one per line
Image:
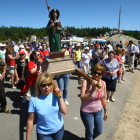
(21, 64)
(104, 67)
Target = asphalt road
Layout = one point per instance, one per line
(13, 126)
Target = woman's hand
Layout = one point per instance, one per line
(17, 56)
(113, 73)
(105, 116)
(17, 80)
(57, 89)
(58, 92)
(40, 61)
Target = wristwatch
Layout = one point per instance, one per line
(59, 96)
(105, 110)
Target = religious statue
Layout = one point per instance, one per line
(54, 28)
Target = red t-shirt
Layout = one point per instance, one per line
(33, 76)
(44, 53)
(11, 62)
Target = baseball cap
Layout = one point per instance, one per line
(12, 43)
(78, 44)
(21, 46)
(97, 45)
(86, 48)
(21, 52)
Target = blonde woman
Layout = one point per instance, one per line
(48, 107)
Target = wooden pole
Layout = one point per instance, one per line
(81, 73)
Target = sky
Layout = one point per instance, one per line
(77, 13)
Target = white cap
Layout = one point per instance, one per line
(86, 48)
(21, 46)
(78, 44)
(1, 45)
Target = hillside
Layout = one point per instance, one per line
(120, 37)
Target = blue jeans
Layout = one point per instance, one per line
(93, 123)
(78, 64)
(62, 81)
(55, 136)
(32, 90)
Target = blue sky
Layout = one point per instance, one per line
(78, 13)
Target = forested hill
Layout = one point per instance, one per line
(15, 33)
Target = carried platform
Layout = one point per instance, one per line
(59, 66)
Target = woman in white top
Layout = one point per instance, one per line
(85, 59)
(123, 61)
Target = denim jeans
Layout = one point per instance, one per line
(55, 136)
(32, 90)
(62, 81)
(93, 123)
(78, 64)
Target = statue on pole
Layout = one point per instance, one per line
(54, 28)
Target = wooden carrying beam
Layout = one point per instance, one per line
(83, 74)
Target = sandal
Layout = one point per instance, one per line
(7, 110)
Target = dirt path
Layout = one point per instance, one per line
(129, 126)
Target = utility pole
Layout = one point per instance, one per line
(119, 20)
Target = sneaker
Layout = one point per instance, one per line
(14, 87)
(24, 100)
(28, 94)
(107, 100)
(129, 70)
(132, 71)
(67, 103)
(120, 82)
(112, 99)
(122, 79)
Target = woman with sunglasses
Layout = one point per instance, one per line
(48, 106)
(93, 98)
(34, 69)
(112, 66)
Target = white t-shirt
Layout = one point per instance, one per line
(110, 47)
(3, 53)
(86, 58)
(123, 59)
(90, 53)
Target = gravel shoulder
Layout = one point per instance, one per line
(129, 125)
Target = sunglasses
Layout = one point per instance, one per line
(95, 72)
(44, 85)
(38, 55)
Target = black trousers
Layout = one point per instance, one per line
(2, 96)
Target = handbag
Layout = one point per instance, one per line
(22, 81)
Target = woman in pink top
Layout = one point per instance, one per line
(93, 98)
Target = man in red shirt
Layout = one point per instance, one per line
(44, 52)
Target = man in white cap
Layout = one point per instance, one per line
(21, 47)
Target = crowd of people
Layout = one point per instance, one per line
(102, 62)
